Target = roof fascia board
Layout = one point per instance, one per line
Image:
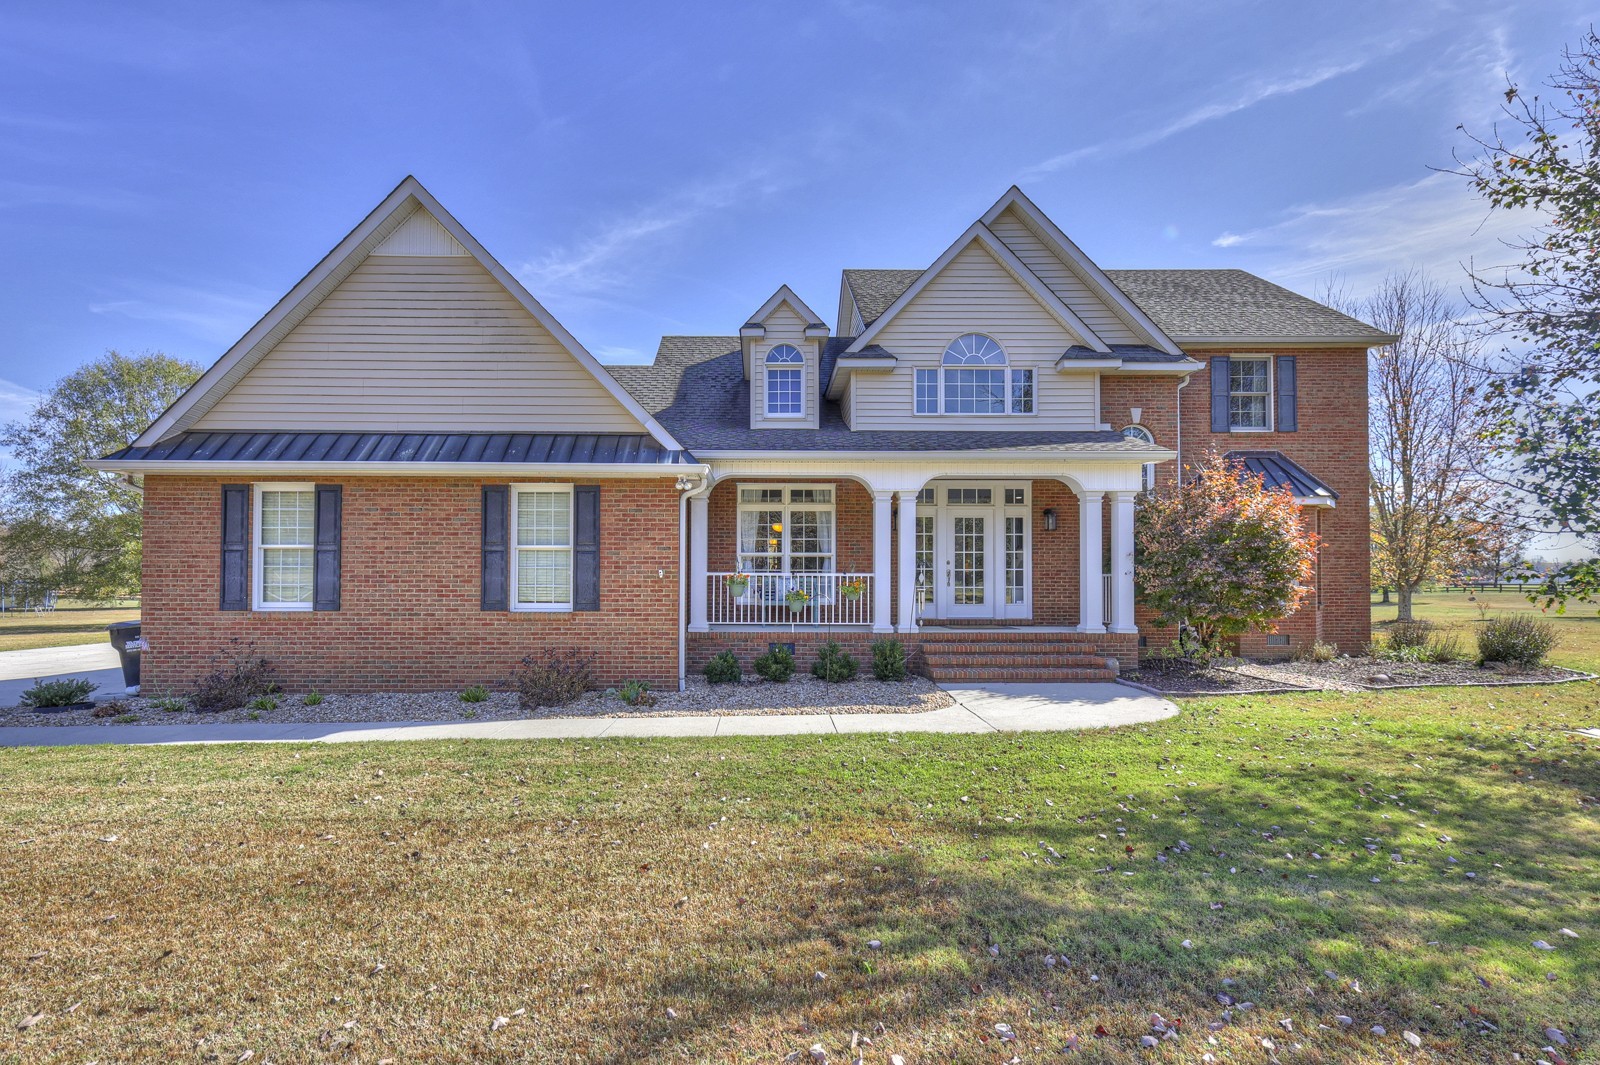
(1376, 341)
(785, 294)
(1139, 457)
(1156, 369)
(1086, 266)
(980, 232)
(402, 469)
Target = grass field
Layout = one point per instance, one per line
(1460, 612)
(71, 622)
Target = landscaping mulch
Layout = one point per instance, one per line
(1231, 678)
(803, 694)
(1373, 674)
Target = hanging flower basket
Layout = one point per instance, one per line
(852, 589)
(797, 598)
(737, 584)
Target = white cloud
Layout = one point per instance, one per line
(209, 314)
(15, 400)
(1247, 97)
(1436, 223)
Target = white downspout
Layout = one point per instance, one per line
(1182, 383)
(683, 570)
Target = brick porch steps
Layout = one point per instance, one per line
(1012, 655)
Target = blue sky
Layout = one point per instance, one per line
(167, 171)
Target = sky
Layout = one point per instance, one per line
(168, 171)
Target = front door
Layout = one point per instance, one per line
(981, 566)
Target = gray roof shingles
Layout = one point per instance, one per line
(874, 290)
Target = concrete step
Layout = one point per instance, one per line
(997, 647)
(1012, 660)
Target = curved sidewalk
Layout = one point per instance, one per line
(991, 708)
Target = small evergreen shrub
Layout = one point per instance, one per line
(1518, 640)
(475, 693)
(311, 698)
(833, 663)
(554, 680)
(48, 694)
(777, 665)
(889, 660)
(636, 693)
(723, 669)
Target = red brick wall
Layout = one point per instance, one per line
(852, 517)
(410, 592)
(1331, 443)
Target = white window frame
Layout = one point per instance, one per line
(1012, 375)
(784, 557)
(518, 549)
(1147, 472)
(1271, 395)
(258, 550)
(768, 366)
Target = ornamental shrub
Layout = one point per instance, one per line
(889, 660)
(777, 665)
(1518, 640)
(833, 663)
(723, 669)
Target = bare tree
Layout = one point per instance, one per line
(1425, 434)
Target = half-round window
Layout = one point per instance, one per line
(785, 382)
(974, 349)
(1147, 475)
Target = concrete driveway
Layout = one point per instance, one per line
(97, 662)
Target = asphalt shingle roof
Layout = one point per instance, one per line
(696, 388)
(874, 290)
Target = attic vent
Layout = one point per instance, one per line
(421, 234)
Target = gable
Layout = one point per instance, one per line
(1064, 280)
(419, 343)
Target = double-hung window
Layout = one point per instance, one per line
(786, 528)
(541, 532)
(1250, 392)
(285, 546)
(785, 382)
(974, 378)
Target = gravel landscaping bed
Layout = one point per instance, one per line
(801, 695)
(1240, 677)
(1229, 678)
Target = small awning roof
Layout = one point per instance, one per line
(1277, 470)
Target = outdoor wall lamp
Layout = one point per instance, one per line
(1049, 519)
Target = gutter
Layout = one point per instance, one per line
(1142, 455)
(683, 571)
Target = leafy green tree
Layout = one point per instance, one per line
(67, 527)
(1546, 395)
(1221, 553)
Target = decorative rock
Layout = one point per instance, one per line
(1345, 1019)
(1378, 1029)
(1413, 1038)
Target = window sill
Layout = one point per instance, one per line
(540, 608)
(281, 608)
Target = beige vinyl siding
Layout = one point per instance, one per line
(423, 343)
(846, 322)
(974, 294)
(784, 326)
(1064, 281)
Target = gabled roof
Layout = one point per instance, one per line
(874, 290)
(1085, 267)
(1235, 307)
(397, 210)
(785, 294)
(978, 233)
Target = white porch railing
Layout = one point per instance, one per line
(1105, 603)
(765, 599)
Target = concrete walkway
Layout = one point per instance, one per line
(98, 662)
(990, 708)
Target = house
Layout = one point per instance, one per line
(408, 474)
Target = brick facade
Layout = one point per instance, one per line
(409, 617)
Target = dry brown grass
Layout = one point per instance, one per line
(68, 624)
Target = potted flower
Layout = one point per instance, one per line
(736, 583)
(852, 588)
(797, 598)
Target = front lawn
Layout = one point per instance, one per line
(71, 622)
(362, 902)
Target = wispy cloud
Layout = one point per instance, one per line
(23, 194)
(209, 314)
(1435, 223)
(15, 400)
(1247, 97)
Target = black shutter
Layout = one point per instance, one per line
(235, 547)
(1219, 394)
(496, 515)
(1288, 402)
(586, 547)
(329, 524)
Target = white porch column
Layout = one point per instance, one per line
(908, 560)
(699, 518)
(882, 541)
(1091, 584)
(1122, 562)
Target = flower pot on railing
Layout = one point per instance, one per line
(797, 599)
(852, 590)
(737, 586)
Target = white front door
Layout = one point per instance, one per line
(981, 552)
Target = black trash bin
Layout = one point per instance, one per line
(124, 633)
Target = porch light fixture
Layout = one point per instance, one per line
(1049, 519)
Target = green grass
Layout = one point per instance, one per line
(264, 898)
(1461, 612)
(71, 622)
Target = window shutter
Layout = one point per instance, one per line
(235, 547)
(330, 523)
(496, 519)
(1288, 402)
(586, 547)
(1219, 394)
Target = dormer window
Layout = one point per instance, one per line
(975, 378)
(786, 396)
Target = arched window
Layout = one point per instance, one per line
(786, 382)
(1147, 476)
(975, 379)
